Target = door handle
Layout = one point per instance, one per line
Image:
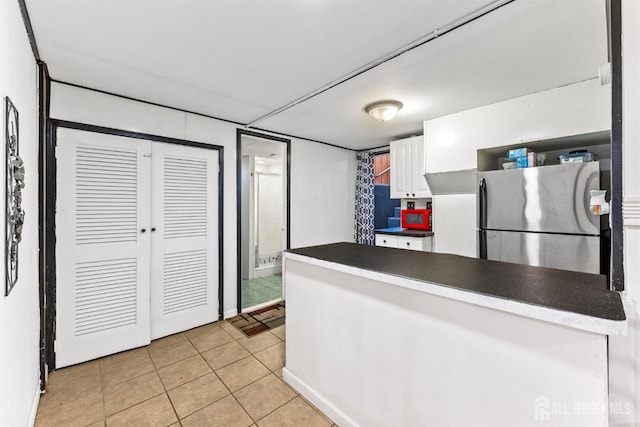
(153, 229)
(143, 230)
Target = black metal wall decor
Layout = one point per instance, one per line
(14, 183)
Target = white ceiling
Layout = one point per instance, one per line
(242, 59)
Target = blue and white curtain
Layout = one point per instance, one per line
(364, 199)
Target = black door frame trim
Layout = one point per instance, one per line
(44, 104)
(50, 236)
(617, 226)
(239, 134)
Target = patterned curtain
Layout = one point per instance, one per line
(364, 199)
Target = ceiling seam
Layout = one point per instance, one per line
(182, 110)
(453, 25)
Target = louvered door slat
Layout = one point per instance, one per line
(103, 187)
(116, 194)
(185, 187)
(184, 252)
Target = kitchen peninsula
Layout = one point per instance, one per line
(382, 336)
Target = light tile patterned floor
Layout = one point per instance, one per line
(209, 376)
(260, 290)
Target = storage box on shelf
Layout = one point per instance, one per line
(408, 166)
(548, 152)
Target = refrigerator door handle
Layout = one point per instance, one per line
(482, 204)
(482, 219)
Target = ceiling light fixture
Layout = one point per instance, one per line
(383, 110)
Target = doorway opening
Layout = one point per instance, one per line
(386, 210)
(263, 217)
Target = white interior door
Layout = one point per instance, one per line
(103, 203)
(184, 249)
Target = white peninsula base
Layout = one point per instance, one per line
(370, 353)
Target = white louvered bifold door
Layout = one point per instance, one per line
(184, 250)
(103, 203)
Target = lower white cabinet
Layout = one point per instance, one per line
(404, 242)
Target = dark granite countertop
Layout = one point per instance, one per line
(399, 231)
(580, 293)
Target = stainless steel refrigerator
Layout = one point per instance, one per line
(540, 216)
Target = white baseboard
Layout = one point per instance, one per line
(230, 313)
(327, 408)
(34, 405)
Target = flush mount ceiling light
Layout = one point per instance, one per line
(383, 110)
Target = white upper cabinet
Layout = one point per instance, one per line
(408, 166)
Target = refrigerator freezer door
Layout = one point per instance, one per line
(567, 252)
(549, 199)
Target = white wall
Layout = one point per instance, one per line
(19, 314)
(319, 213)
(388, 356)
(452, 142)
(322, 177)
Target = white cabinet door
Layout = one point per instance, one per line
(184, 246)
(386, 241)
(400, 242)
(400, 168)
(408, 166)
(102, 288)
(419, 187)
(411, 243)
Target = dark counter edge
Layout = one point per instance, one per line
(580, 293)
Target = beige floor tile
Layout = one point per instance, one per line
(153, 412)
(195, 395)
(327, 419)
(131, 392)
(232, 330)
(167, 341)
(122, 357)
(225, 355)
(170, 350)
(259, 342)
(295, 413)
(225, 412)
(215, 337)
(264, 396)
(134, 365)
(71, 383)
(280, 332)
(242, 372)
(191, 333)
(101, 423)
(184, 371)
(272, 357)
(278, 373)
(83, 411)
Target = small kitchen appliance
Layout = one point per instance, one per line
(416, 219)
